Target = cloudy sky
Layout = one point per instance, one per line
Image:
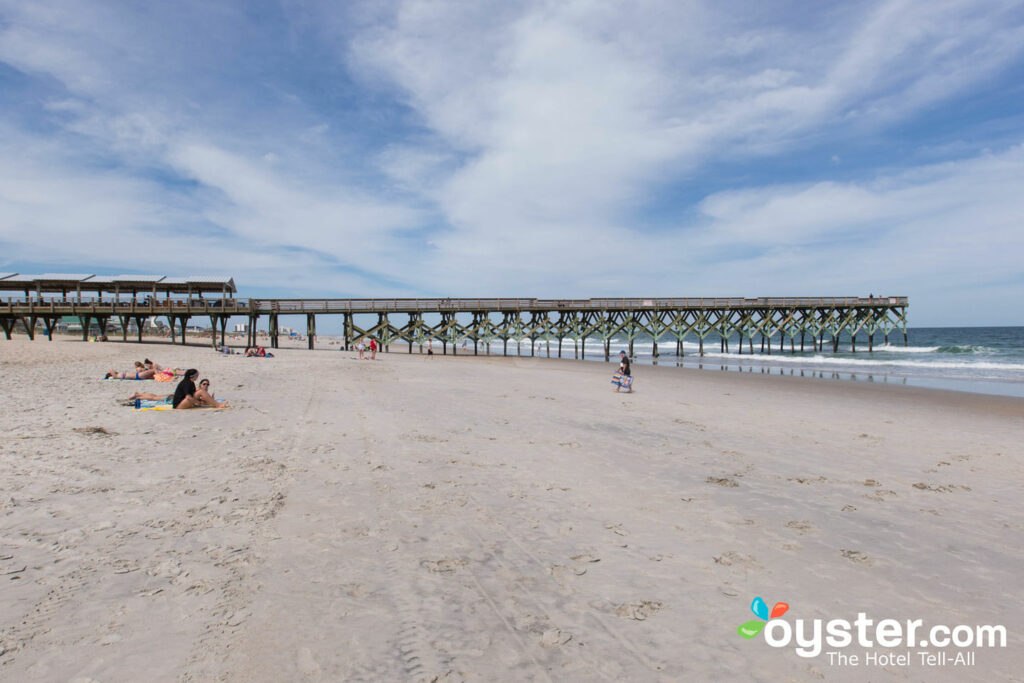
(554, 149)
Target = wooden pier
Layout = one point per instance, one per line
(806, 323)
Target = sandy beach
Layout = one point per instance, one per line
(487, 519)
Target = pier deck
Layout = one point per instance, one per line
(487, 321)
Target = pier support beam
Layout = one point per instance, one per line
(49, 322)
(310, 329)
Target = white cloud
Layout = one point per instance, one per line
(531, 139)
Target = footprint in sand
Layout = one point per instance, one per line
(554, 637)
(585, 557)
(801, 526)
(638, 611)
(730, 558)
(562, 574)
(857, 556)
(807, 480)
(722, 481)
(616, 529)
(443, 566)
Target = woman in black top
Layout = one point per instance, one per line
(185, 393)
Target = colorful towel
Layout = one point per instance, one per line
(164, 377)
(622, 381)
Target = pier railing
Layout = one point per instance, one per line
(502, 319)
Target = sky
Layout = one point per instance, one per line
(553, 149)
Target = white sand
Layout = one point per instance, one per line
(488, 519)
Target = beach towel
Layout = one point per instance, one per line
(165, 404)
(622, 381)
(164, 377)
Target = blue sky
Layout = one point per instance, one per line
(553, 149)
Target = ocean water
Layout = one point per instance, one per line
(988, 360)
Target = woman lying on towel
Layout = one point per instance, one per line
(162, 374)
(140, 372)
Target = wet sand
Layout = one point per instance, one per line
(488, 519)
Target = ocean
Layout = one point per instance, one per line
(987, 360)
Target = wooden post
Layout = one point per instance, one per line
(124, 327)
(213, 331)
(310, 328)
(8, 325)
(171, 322)
(48, 323)
(801, 341)
(871, 342)
(702, 346)
(184, 328)
(86, 322)
(30, 327)
(138, 327)
(607, 349)
(224, 327)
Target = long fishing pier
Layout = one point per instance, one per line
(780, 322)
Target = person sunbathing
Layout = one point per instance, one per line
(140, 372)
(150, 365)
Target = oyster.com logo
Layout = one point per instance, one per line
(760, 610)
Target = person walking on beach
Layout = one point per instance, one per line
(373, 349)
(361, 348)
(430, 348)
(623, 379)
